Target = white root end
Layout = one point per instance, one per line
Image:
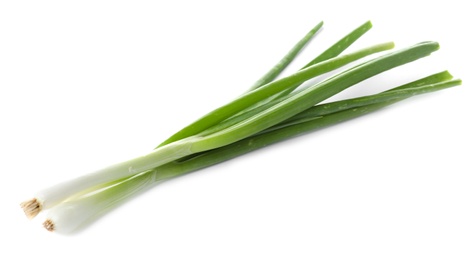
(49, 225)
(31, 208)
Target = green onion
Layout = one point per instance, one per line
(270, 112)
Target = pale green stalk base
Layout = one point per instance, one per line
(62, 191)
(70, 215)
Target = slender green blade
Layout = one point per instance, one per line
(342, 44)
(435, 78)
(286, 60)
(433, 82)
(396, 94)
(250, 98)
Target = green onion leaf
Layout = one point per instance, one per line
(284, 62)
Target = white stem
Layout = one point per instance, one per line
(71, 215)
(60, 192)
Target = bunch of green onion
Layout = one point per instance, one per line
(269, 112)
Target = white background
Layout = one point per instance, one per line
(88, 83)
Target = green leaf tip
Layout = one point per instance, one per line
(431, 44)
(366, 26)
(445, 75)
(458, 81)
(317, 27)
(342, 44)
(287, 59)
(369, 24)
(390, 45)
